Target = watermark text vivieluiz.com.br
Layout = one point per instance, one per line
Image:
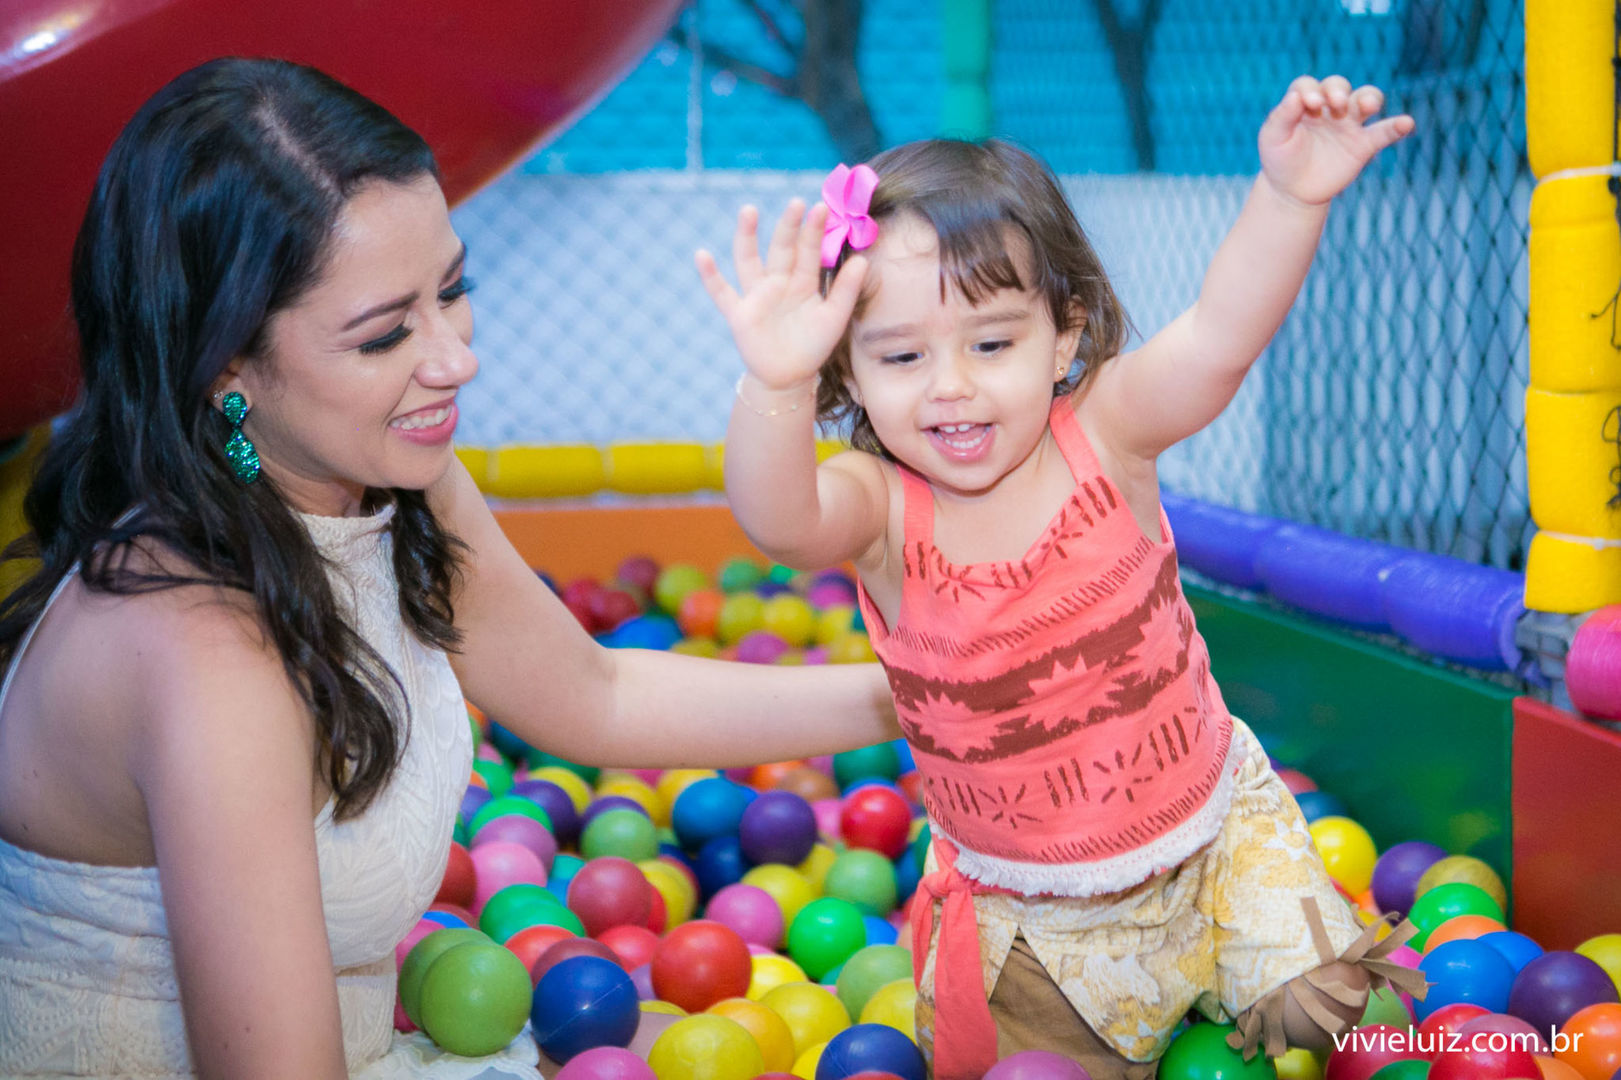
(1430, 1043)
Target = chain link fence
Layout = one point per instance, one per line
(1390, 406)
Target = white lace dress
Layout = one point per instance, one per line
(87, 977)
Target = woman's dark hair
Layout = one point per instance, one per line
(970, 193)
(214, 211)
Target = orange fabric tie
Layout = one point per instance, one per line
(964, 1033)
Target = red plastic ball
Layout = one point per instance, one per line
(633, 945)
(700, 963)
(1486, 1058)
(529, 943)
(658, 916)
(460, 880)
(568, 949)
(876, 818)
(610, 891)
(1369, 1049)
(1435, 1032)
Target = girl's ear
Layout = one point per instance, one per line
(1069, 341)
(854, 391)
(226, 381)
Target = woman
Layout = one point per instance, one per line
(267, 584)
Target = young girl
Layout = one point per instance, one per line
(1111, 848)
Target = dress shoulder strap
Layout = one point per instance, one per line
(919, 508)
(1072, 441)
(28, 637)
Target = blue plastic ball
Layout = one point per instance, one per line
(581, 1003)
(445, 918)
(709, 808)
(564, 867)
(643, 632)
(1468, 971)
(718, 864)
(879, 931)
(1516, 948)
(1317, 804)
(870, 1048)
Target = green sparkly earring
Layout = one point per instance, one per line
(238, 449)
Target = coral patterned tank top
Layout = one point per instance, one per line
(1060, 707)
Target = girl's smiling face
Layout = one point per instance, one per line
(958, 391)
(357, 385)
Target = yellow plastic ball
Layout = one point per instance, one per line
(578, 790)
(786, 885)
(850, 648)
(805, 1064)
(1347, 851)
(1298, 1063)
(790, 618)
(708, 648)
(637, 791)
(740, 615)
(674, 781)
(1605, 951)
(705, 1047)
(769, 971)
(680, 898)
(667, 1008)
(813, 1013)
(894, 1004)
(816, 865)
(833, 622)
(770, 1031)
(1466, 870)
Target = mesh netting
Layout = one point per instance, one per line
(1390, 406)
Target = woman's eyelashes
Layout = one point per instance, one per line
(447, 296)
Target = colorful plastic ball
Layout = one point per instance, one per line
(1320, 804)
(879, 931)
(607, 1063)
(497, 775)
(699, 963)
(1386, 1006)
(737, 575)
(446, 918)
(825, 934)
(610, 891)
(507, 804)
(1485, 1058)
(1436, 1030)
(1037, 1065)
(641, 571)
(895, 1004)
(531, 942)
(459, 884)
(567, 949)
(834, 622)
(581, 1003)
(1397, 873)
(878, 761)
(674, 583)
(907, 876)
(1605, 951)
(1201, 1053)
(1465, 971)
(1592, 1041)
(633, 946)
(473, 800)
(787, 887)
(699, 612)
(805, 1064)
(705, 1047)
(657, 632)
(576, 780)
(851, 648)
(790, 618)
(876, 818)
(519, 829)
(770, 1031)
(815, 866)
(612, 608)
(1514, 1030)
(741, 615)
(777, 827)
(870, 1048)
(811, 1013)
(719, 863)
(707, 809)
(1554, 1069)
(676, 886)
(761, 647)
(1297, 782)
(1404, 1069)
(1516, 948)
(866, 879)
(769, 970)
(509, 910)
(750, 911)
(557, 803)
(1462, 928)
(1556, 985)
(1347, 851)
(1467, 870)
(1437, 905)
(628, 834)
(421, 957)
(871, 967)
(474, 998)
(809, 783)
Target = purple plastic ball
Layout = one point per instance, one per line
(520, 829)
(1396, 874)
(777, 827)
(642, 977)
(1551, 988)
(826, 594)
(750, 911)
(474, 801)
(760, 647)
(557, 803)
(1037, 1065)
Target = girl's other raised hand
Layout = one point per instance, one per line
(784, 327)
(1318, 138)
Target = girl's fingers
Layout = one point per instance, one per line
(1367, 101)
(715, 283)
(808, 259)
(1337, 92)
(779, 256)
(1388, 132)
(846, 288)
(746, 248)
(1285, 115)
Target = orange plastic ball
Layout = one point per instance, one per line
(1597, 1053)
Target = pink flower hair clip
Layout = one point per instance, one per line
(848, 195)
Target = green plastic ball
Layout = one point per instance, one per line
(867, 880)
(1449, 901)
(475, 999)
(497, 775)
(740, 615)
(868, 971)
(781, 574)
(825, 934)
(736, 575)
(1201, 1053)
(502, 805)
(511, 910)
(876, 762)
(1411, 1069)
(421, 957)
(540, 759)
(627, 833)
(1385, 1006)
(674, 583)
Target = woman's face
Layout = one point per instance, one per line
(357, 385)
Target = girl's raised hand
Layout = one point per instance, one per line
(1318, 139)
(783, 325)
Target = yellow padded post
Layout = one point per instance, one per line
(1570, 120)
(1575, 259)
(1571, 442)
(1569, 577)
(657, 468)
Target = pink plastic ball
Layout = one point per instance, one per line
(1296, 781)
(501, 863)
(828, 814)
(606, 1063)
(422, 929)
(760, 647)
(750, 911)
(1037, 1065)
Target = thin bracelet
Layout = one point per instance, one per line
(766, 412)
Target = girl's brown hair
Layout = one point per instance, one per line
(970, 193)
